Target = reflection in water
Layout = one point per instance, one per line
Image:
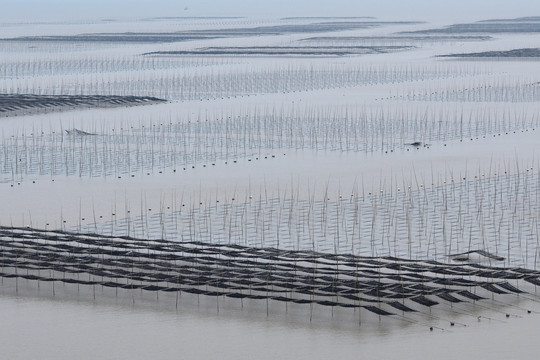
(112, 327)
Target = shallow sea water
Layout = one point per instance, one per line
(70, 325)
(66, 327)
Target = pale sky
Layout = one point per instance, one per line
(438, 10)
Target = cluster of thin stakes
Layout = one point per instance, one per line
(386, 286)
(171, 146)
(220, 82)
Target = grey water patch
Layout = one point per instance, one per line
(286, 51)
(520, 19)
(519, 25)
(515, 53)
(396, 38)
(327, 17)
(144, 37)
(169, 18)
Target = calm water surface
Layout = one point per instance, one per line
(55, 328)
